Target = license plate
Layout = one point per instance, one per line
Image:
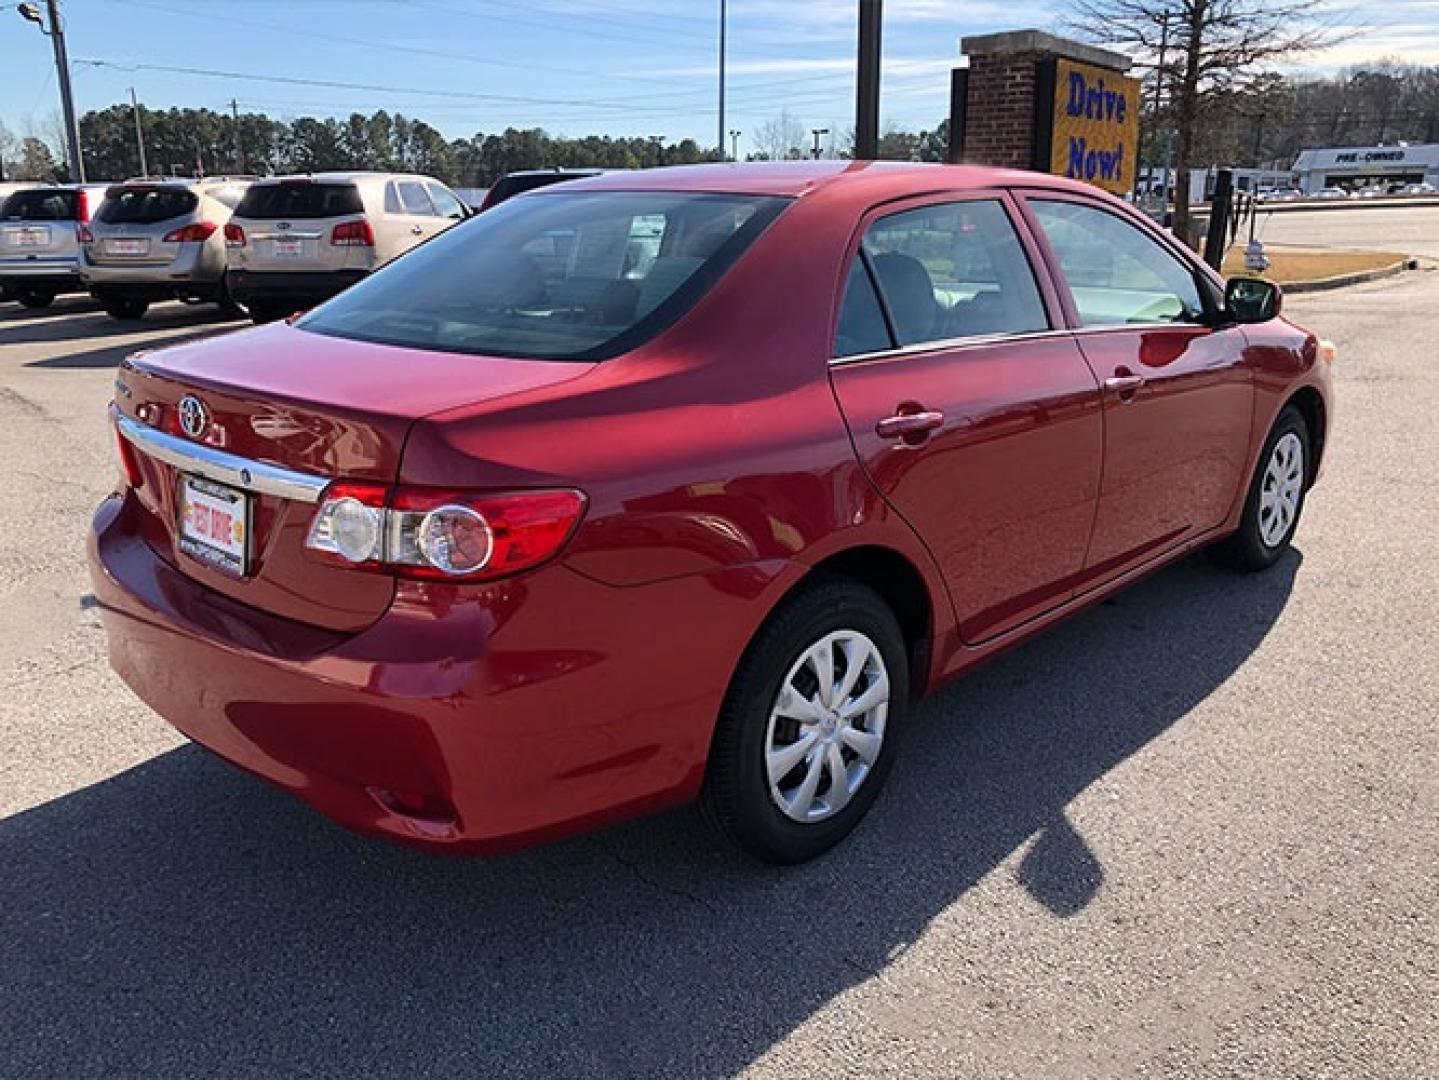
(289, 249)
(122, 246)
(31, 238)
(215, 524)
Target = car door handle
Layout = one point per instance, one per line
(1123, 384)
(908, 424)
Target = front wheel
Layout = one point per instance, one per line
(34, 298)
(810, 724)
(1275, 498)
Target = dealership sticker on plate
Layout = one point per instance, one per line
(215, 524)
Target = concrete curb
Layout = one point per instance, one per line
(1340, 281)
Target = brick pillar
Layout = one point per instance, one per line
(1002, 96)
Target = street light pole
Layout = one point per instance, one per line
(30, 12)
(719, 142)
(734, 134)
(866, 121)
(817, 132)
(139, 133)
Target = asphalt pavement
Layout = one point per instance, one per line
(1192, 832)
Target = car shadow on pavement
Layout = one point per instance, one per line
(85, 325)
(183, 919)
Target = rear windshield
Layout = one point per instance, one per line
(42, 205)
(553, 275)
(144, 206)
(303, 200)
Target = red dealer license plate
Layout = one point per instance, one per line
(215, 524)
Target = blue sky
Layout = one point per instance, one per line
(623, 67)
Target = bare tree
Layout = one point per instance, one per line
(781, 138)
(1210, 48)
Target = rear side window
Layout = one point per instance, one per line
(43, 205)
(862, 328)
(583, 276)
(1117, 273)
(954, 270)
(413, 199)
(263, 202)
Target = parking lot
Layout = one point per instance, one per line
(1194, 831)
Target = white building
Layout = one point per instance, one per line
(1357, 167)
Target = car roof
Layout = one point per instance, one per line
(346, 176)
(889, 179)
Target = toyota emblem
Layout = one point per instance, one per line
(194, 417)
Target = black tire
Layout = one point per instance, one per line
(1247, 550)
(34, 298)
(736, 798)
(230, 308)
(126, 310)
(263, 311)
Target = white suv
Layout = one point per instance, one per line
(295, 241)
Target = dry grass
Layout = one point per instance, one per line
(1310, 264)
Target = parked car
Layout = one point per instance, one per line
(496, 546)
(1418, 189)
(1280, 195)
(1330, 193)
(517, 183)
(161, 239)
(295, 241)
(39, 249)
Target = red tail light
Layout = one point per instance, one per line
(353, 234)
(83, 234)
(442, 535)
(234, 236)
(82, 206)
(190, 234)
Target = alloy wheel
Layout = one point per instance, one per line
(1281, 490)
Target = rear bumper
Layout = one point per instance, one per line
(195, 272)
(472, 720)
(309, 286)
(52, 275)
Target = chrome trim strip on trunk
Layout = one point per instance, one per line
(223, 467)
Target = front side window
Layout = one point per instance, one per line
(954, 270)
(1116, 272)
(446, 205)
(413, 199)
(579, 276)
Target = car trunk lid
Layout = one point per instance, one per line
(277, 400)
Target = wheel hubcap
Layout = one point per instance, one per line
(1281, 490)
(826, 726)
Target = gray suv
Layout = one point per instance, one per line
(161, 240)
(40, 226)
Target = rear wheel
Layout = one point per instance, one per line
(264, 311)
(34, 298)
(1275, 498)
(230, 308)
(809, 727)
(126, 309)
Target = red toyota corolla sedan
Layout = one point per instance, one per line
(683, 484)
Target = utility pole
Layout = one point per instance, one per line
(817, 132)
(734, 134)
(719, 143)
(866, 127)
(139, 133)
(239, 153)
(55, 31)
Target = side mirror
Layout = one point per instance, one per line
(1252, 300)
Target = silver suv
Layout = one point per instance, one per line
(40, 227)
(296, 241)
(160, 239)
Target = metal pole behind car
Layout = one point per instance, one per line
(866, 127)
(67, 100)
(139, 133)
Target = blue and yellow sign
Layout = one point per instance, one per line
(1094, 130)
